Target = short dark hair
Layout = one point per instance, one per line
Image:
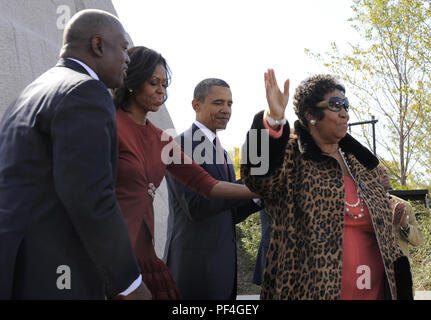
(143, 62)
(310, 92)
(204, 87)
(87, 23)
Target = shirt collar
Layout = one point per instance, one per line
(87, 68)
(210, 135)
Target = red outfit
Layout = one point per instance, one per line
(140, 163)
(363, 269)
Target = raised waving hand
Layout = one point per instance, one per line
(277, 100)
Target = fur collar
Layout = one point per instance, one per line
(348, 144)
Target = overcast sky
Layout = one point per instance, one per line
(236, 40)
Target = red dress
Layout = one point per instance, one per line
(139, 164)
(363, 270)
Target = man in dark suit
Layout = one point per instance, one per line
(201, 246)
(62, 234)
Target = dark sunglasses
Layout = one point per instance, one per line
(334, 104)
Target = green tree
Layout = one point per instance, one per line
(389, 75)
(235, 156)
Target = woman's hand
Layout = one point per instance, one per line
(277, 100)
(399, 214)
(227, 190)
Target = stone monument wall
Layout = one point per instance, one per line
(30, 41)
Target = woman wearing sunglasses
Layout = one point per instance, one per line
(330, 218)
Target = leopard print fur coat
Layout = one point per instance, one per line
(304, 196)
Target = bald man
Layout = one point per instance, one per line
(62, 234)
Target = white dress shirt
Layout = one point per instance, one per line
(210, 135)
(87, 68)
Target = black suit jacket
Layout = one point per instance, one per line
(200, 249)
(58, 161)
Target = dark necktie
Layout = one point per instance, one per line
(220, 155)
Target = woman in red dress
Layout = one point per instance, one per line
(141, 168)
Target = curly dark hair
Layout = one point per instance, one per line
(143, 62)
(310, 92)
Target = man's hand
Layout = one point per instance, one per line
(141, 293)
(277, 100)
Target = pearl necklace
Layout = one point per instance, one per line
(359, 202)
